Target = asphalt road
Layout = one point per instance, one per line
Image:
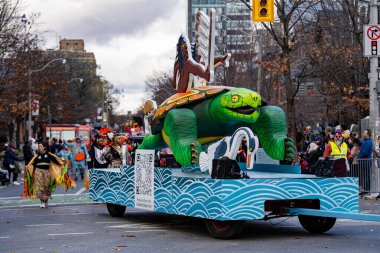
(89, 228)
(74, 223)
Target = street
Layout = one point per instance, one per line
(88, 227)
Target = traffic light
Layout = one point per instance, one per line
(262, 10)
(374, 47)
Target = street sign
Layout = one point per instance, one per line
(35, 108)
(377, 123)
(371, 40)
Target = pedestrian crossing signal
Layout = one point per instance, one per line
(262, 10)
(374, 47)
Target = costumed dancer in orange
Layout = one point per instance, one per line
(43, 173)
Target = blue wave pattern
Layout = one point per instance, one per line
(113, 186)
(223, 199)
(191, 168)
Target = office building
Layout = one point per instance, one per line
(233, 26)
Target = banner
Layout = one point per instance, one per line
(144, 179)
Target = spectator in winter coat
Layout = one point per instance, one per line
(27, 152)
(308, 137)
(9, 163)
(365, 160)
(367, 145)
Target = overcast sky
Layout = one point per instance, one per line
(131, 39)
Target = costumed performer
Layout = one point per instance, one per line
(43, 173)
(66, 153)
(80, 154)
(117, 153)
(97, 153)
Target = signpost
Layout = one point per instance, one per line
(371, 40)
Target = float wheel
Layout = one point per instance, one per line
(115, 210)
(316, 224)
(225, 229)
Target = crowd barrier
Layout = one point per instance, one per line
(368, 172)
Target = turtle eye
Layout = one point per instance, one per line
(235, 98)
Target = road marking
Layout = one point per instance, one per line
(84, 233)
(110, 222)
(80, 191)
(4, 237)
(124, 226)
(41, 225)
(148, 230)
(5, 198)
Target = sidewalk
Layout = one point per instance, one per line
(367, 205)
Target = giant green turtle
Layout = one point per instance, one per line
(204, 114)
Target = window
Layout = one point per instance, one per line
(54, 134)
(68, 135)
(85, 135)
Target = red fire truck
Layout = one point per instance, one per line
(69, 132)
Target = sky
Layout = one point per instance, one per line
(131, 39)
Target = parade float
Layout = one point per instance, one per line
(204, 124)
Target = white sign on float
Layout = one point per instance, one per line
(144, 179)
(263, 158)
(371, 37)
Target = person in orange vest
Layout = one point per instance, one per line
(337, 148)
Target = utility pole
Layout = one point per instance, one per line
(49, 117)
(30, 132)
(373, 76)
(259, 58)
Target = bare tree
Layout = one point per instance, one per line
(159, 86)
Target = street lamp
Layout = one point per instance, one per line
(30, 72)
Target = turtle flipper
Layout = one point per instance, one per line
(194, 152)
(290, 150)
(180, 128)
(152, 141)
(271, 130)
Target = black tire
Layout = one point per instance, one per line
(115, 210)
(316, 224)
(225, 229)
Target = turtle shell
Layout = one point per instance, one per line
(182, 100)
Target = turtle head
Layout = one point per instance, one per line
(239, 104)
